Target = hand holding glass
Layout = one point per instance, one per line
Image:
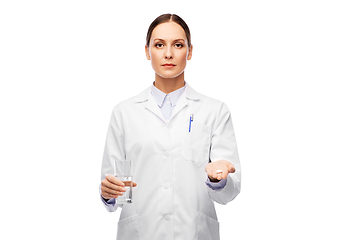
(123, 172)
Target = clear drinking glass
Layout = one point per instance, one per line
(123, 172)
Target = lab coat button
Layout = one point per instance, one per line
(166, 185)
(167, 217)
(166, 155)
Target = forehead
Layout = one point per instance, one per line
(168, 31)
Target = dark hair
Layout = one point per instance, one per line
(168, 18)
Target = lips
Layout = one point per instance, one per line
(168, 65)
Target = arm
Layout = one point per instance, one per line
(224, 156)
(114, 149)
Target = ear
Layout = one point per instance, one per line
(190, 52)
(147, 52)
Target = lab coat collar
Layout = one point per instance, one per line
(190, 93)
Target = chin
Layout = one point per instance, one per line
(169, 75)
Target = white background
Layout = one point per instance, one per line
(288, 70)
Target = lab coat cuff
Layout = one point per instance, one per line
(216, 186)
(111, 201)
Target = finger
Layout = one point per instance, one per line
(224, 174)
(109, 196)
(134, 184)
(115, 181)
(215, 175)
(209, 171)
(111, 186)
(210, 175)
(231, 168)
(112, 191)
(218, 175)
(108, 193)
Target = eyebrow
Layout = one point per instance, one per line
(179, 39)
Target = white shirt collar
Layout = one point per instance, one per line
(160, 96)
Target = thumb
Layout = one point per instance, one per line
(231, 168)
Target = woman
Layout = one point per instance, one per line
(182, 145)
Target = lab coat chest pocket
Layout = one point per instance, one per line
(196, 142)
(128, 228)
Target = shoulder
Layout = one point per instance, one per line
(130, 102)
(206, 101)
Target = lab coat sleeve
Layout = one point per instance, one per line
(224, 147)
(114, 150)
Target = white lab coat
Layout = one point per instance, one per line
(171, 200)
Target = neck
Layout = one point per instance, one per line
(168, 85)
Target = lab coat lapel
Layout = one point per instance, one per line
(189, 94)
(154, 108)
(150, 104)
(182, 102)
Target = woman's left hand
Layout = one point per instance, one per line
(219, 170)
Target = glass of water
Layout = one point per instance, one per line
(123, 172)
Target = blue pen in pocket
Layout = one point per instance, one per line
(191, 119)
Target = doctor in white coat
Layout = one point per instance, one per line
(182, 145)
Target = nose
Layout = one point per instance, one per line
(168, 53)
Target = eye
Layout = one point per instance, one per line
(159, 45)
(178, 45)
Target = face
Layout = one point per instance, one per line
(168, 50)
